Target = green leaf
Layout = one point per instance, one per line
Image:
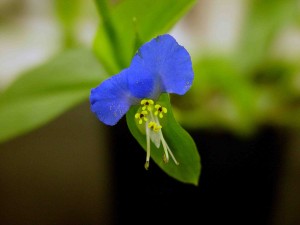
(45, 92)
(179, 141)
(131, 23)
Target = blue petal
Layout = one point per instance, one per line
(161, 65)
(112, 99)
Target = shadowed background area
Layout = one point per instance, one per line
(59, 174)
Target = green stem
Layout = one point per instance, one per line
(110, 31)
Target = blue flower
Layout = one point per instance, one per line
(159, 66)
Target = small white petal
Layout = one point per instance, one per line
(155, 138)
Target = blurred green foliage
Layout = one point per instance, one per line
(45, 92)
(238, 92)
(129, 24)
(67, 12)
(249, 88)
(265, 20)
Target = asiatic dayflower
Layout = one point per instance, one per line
(159, 66)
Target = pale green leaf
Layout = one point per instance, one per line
(45, 92)
(131, 23)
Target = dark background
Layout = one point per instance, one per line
(237, 185)
(77, 171)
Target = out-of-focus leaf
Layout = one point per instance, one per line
(131, 23)
(279, 91)
(47, 91)
(67, 13)
(264, 20)
(179, 141)
(219, 97)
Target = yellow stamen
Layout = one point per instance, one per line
(154, 126)
(165, 158)
(153, 129)
(147, 104)
(146, 165)
(142, 116)
(160, 110)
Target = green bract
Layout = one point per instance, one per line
(179, 141)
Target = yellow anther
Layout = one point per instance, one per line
(141, 116)
(154, 126)
(147, 104)
(146, 165)
(165, 159)
(160, 110)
